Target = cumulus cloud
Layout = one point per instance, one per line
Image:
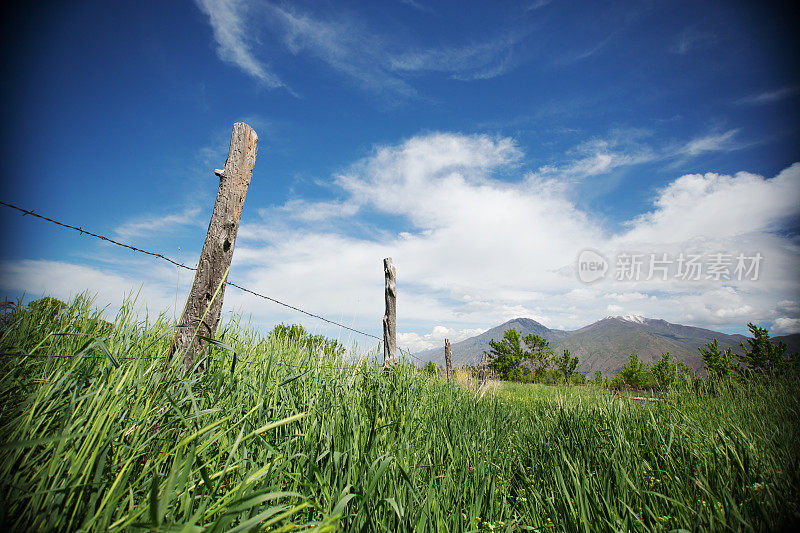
(719, 206)
(785, 326)
(473, 250)
(415, 342)
(66, 280)
(480, 250)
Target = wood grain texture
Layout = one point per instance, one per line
(390, 316)
(448, 360)
(202, 312)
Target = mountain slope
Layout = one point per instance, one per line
(606, 345)
(470, 351)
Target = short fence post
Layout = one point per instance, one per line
(203, 308)
(447, 360)
(390, 316)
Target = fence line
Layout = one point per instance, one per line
(146, 358)
(181, 265)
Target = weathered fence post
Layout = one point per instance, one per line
(390, 317)
(483, 372)
(448, 362)
(203, 308)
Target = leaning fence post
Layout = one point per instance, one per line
(204, 305)
(390, 316)
(447, 360)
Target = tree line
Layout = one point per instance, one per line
(530, 359)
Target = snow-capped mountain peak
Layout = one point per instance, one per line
(636, 319)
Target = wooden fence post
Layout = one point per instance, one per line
(202, 312)
(390, 316)
(448, 362)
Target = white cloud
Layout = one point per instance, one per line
(630, 147)
(769, 97)
(227, 18)
(712, 143)
(537, 4)
(151, 224)
(376, 60)
(719, 206)
(435, 339)
(64, 281)
(418, 6)
(693, 39)
(785, 326)
(476, 250)
(482, 60)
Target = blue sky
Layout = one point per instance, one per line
(482, 145)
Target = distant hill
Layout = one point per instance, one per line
(470, 351)
(792, 342)
(606, 345)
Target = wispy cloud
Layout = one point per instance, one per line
(418, 6)
(691, 39)
(537, 4)
(227, 18)
(601, 155)
(715, 142)
(377, 61)
(769, 97)
(343, 44)
(151, 224)
(589, 52)
(483, 60)
(630, 147)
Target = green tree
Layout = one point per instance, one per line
(598, 378)
(718, 363)
(430, 368)
(297, 334)
(506, 354)
(634, 374)
(762, 355)
(578, 379)
(539, 355)
(566, 365)
(664, 372)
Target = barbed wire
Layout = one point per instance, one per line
(103, 237)
(181, 265)
(67, 356)
(345, 366)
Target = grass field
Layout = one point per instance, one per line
(276, 437)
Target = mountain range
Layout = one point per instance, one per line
(606, 345)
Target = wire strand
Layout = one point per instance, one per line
(181, 265)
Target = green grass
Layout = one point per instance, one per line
(276, 437)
